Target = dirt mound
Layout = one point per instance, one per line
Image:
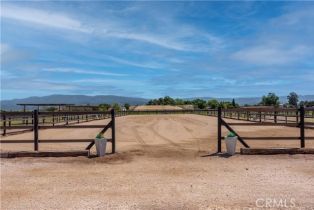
(156, 107)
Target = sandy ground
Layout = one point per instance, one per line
(156, 107)
(162, 162)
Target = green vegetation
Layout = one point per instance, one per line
(52, 109)
(293, 99)
(116, 107)
(307, 103)
(104, 107)
(127, 106)
(213, 104)
(227, 105)
(270, 100)
(164, 101)
(197, 103)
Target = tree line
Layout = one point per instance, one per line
(197, 103)
(115, 106)
(292, 100)
(271, 99)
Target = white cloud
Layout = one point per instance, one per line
(44, 18)
(282, 40)
(37, 84)
(4, 48)
(117, 29)
(11, 55)
(107, 81)
(152, 65)
(269, 83)
(151, 39)
(295, 17)
(271, 54)
(82, 71)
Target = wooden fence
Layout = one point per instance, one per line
(34, 121)
(37, 122)
(282, 116)
(299, 122)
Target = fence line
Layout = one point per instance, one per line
(36, 127)
(300, 124)
(281, 116)
(36, 121)
(16, 121)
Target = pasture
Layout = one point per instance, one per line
(162, 161)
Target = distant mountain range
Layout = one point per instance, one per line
(110, 99)
(72, 99)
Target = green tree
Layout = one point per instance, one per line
(116, 107)
(168, 100)
(226, 105)
(160, 101)
(293, 99)
(234, 103)
(307, 103)
(52, 109)
(270, 100)
(104, 107)
(199, 103)
(127, 106)
(213, 104)
(179, 101)
(150, 102)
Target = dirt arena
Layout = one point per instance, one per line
(162, 162)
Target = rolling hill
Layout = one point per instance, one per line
(72, 99)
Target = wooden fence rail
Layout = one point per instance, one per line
(300, 123)
(35, 121)
(16, 121)
(36, 126)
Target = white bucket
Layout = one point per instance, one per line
(101, 146)
(231, 144)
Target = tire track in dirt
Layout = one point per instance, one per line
(153, 129)
(190, 131)
(135, 130)
(138, 137)
(193, 121)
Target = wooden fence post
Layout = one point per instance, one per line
(35, 130)
(302, 136)
(219, 130)
(260, 116)
(113, 131)
(275, 116)
(286, 117)
(4, 124)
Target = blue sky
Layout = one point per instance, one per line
(153, 49)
